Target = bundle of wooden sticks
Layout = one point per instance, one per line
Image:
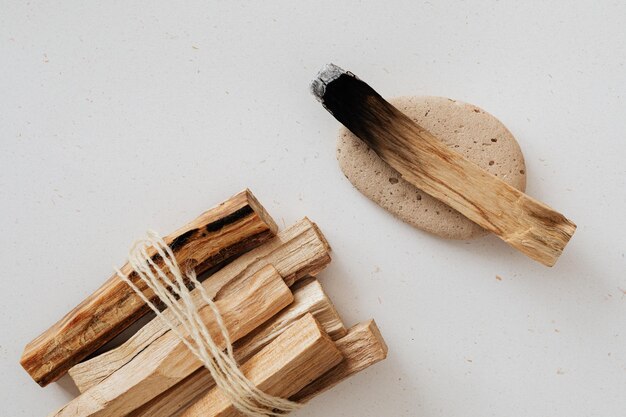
(287, 336)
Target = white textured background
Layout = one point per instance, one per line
(118, 117)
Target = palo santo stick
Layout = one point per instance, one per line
(295, 252)
(168, 360)
(524, 223)
(362, 347)
(309, 297)
(285, 366)
(221, 233)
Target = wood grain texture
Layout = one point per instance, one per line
(309, 297)
(218, 235)
(361, 348)
(295, 252)
(294, 359)
(167, 360)
(521, 221)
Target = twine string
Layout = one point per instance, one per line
(170, 288)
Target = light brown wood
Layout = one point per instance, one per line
(295, 252)
(167, 360)
(221, 233)
(309, 297)
(282, 368)
(423, 160)
(361, 348)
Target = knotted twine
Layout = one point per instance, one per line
(238, 389)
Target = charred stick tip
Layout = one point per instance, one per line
(328, 74)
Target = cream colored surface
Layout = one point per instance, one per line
(467, 129)
(142, 117)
